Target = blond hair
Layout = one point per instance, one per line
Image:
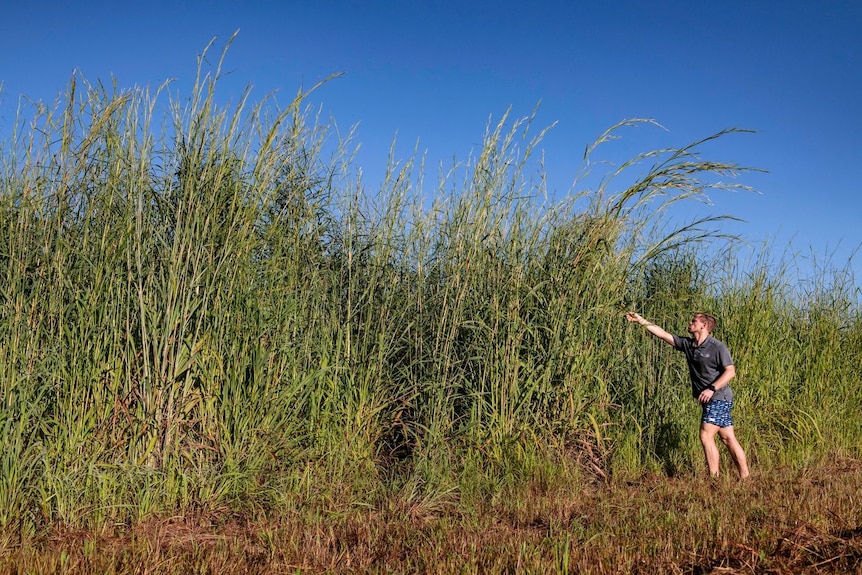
(709, 320)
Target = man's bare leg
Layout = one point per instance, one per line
(710, 449)
(728, 437)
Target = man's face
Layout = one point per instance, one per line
(696, 324)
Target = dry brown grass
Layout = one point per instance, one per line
(784, 521)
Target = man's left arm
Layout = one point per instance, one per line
(723, 380)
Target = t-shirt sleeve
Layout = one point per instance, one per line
(724, 356)
(678, 343)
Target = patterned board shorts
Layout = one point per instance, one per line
(717, 413)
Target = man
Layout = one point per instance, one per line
(710, 368)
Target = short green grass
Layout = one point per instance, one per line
(779, 521)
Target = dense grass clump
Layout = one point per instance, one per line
(205, 309)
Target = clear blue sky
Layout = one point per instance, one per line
(436, 71)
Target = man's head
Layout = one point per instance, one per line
(700, 321)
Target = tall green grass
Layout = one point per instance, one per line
(205, 306)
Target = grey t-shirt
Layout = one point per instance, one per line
(706, 363)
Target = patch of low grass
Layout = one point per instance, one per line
(779, 521)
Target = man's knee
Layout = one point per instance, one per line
(707, 435)
(727, 436)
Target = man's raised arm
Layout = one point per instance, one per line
(651, 327)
